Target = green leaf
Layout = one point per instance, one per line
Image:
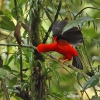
(77, 22)
(95, 24)
(13, 81)
(98, 98)
(42, 64)
(6, 23)
(13, 90)
(58, 95)
(73, 1)
(48, 15)
(50, 9)
(6, 67)
(1, 13)
(81, 2)
(3, 73)
(24, 85)
(10, 59)
(17, 98)
(56, 74)
(78, 75)
(1, 96)
(91, 82)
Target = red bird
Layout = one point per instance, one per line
(62, 43)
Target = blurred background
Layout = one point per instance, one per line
(61, 83)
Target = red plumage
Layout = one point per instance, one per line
(61, 46)
(62, 43)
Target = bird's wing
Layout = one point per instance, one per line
(77, 62)
(58, 27)
(73, 35)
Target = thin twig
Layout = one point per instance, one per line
(69, 14)
(16, 45)
(87, 56)
(56, 98)
(96, 94)
(21, 64)
(67, 64)
(84, 9)
(19, 48)
(5, 89)
(50, 55)
(16, 11)
(5, 37)
(76, 80)
(70, 66)
(55, 18)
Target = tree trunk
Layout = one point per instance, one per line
(38, 79)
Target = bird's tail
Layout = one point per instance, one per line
(77, 62)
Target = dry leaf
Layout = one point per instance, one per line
(17, 33)
(25, 27)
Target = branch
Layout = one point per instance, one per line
(16, 12)
(84, 9)
(16, 45)
(17, 36)
(6, 37)
(76, 80)
(55, 18)
(70, 66)
(5, 89)
(85, 50)
(50, 55)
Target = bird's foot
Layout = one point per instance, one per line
(58, 59)
(63, 60)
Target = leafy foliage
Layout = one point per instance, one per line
(20, 69)
(77, 22)
(91, 82)
(6, 23)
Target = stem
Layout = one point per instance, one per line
(21, 65)
(87, 56)
(16, 45)
(95, 92)
(69, 13)
(16, 12)
(70, 66)
(76, 80)
(5, 89)
(3, 83)
(38, 79)
(84, 9)
(50, 55)
(55, 18)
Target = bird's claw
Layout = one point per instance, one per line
(58, 59)
(63, 61)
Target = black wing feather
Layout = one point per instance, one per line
(58, 27)
(73, 35)
(77, 62)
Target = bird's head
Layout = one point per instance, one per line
(41, 48)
